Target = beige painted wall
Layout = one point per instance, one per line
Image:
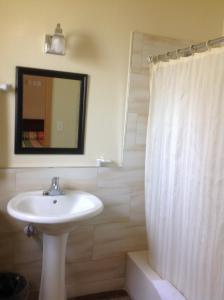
(98, 36)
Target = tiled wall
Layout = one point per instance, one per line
(96, 248)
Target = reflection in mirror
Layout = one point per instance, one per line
(47, 123)
(50, 112)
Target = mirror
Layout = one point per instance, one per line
(50, 111)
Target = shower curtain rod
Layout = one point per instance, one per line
(188, 51)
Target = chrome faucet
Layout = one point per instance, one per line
(54, 190)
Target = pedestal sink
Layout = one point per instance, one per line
(55, 216)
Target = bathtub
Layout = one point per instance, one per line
(142, 283)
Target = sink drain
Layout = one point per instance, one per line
(55, 201)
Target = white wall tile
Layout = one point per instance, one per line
(8, 224)
(141, 130)
(137, 206)
(7, 181)
(111, 214)
(139, 87)
(92, 271)
(111, 196)
(4, 199)
(137, 41)
(120, 177)
(26, 250)
(75, 289)
(134, 159)
(70, 178)
(80, 244)
(6, 248)
(117, 239)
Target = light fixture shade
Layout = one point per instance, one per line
(55, 44)
(58, 44)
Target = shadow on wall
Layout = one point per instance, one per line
(4, 130)
(83, 47)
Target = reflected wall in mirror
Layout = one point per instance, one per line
(50, 111)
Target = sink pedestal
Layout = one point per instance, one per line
(53, 267)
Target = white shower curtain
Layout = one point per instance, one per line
(185, 174)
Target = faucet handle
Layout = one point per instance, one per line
(55, 182)
(54, 190)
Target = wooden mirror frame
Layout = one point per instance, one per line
(83, 78)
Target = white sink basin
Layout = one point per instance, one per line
(33, 207)
(55, 216)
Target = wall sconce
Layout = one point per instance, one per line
(55, 44)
